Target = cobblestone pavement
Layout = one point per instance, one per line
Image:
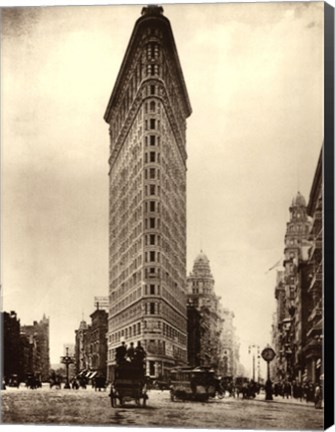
(87, 407)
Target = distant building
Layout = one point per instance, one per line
(38, 336)
(91, 344)
(25, 348)
(229, 344)
(204, 314)
(81, 361)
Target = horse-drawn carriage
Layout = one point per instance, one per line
(129, 384)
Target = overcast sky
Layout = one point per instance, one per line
(255, 80)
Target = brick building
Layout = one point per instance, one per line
(90, 349)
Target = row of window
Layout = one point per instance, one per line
(130, 331)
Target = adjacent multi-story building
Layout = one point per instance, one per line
(289, 289)
(278, 365)
(204, 314)
(297, 332)
(90, 351)
(313, 342)
(97, 342)
(12, 361)
(25, 348)
(147, 114)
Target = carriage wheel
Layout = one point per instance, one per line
(113, 401)
(144, 401)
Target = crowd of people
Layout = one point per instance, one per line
(133, 356)
(306, 391)
(302, 391)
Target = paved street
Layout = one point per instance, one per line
(93, 408)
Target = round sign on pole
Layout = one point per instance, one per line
(268, 354)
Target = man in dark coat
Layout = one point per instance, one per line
(139, 356)
(120, 354)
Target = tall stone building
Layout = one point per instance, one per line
(311, 350)
(297, 332)
(207, 324)
(147, 114)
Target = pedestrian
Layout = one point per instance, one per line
(139, 356)
(318, 397)
(131, 352)
(120, 354)
(287, 389)
(299, 392)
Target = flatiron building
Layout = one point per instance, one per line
(147, 114)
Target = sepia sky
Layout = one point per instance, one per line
(255, 80)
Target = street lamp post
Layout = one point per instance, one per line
(251, 349)
(67, 360)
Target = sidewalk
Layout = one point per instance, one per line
(291, 401)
